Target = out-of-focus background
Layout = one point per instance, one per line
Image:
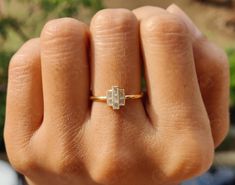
(21, 20)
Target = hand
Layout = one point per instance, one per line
(56, 136)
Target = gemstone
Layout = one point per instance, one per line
(122, 102)
(115, 106)
(115, 97)
(109, 94)
(110, 102)
(121, 93)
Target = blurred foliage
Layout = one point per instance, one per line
(5, 57)
(231, 56)
(69, 7)
(27, 23)
(44, 10)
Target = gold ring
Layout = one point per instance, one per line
(116, 97)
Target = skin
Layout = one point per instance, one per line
(55, 135)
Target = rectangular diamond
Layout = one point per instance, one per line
(115, 97)
(121, 97)
(115, 105)
(122, 102)
(109, 94)
(110, 102)
(121, 94)
(115, 90)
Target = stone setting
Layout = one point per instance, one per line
(115, 97)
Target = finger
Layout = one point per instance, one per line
(193, 30)
(65, 73)
(114, 62)
(24, 109)
(147, 11)
(174, 101)
(115, 56)
(173, 89)
(213, 72)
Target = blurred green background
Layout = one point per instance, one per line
(21, 20)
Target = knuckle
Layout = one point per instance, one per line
(19, 76)
(222, 61)
(113, 169)
(119, 20)
(14, 144)
(215, 58)
(24, 164)
(220, 128)
(63, 28)
(192, 159)
(24, 54)
(20, 66)
(164, 25)
(23, 62)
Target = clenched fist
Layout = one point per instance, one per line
(55, 135)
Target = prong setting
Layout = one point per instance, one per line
(115, 97)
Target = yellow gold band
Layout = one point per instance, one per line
(127, 97)
(116, 97)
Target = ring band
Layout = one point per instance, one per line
(116, 97)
